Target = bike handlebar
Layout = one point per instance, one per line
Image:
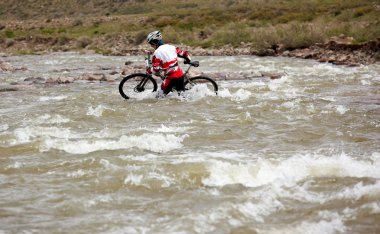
(194, 63)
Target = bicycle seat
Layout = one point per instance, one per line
(194, 63)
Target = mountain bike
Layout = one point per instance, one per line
(135, 84)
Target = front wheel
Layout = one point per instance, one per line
(201, 81)
(138, 85)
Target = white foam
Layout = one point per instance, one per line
(97, 111)
(15, 165)
(4, 127)
(133, 179)
(332, 226)
(365, 82)
(239, 95)
(27, 134)
(153, 179)
(342, 109)
(279, 84)
(174, 129)
(198, 91)
(49, 98)
(52, 62)
(291, 104)
(224, 93)
(373, 207)
(34, 133)
(357, 192)
(290, 170)
(258, 210)
(324, 70)
(76, 174)
(166, 129)
(143, 95)
(52, 119)
(140, 158)
(98, 199)
(22, 135)
(104, 133)
(154, 142)
(245, 84)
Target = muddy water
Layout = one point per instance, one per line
(300, 154)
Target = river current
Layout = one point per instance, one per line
(299, 154)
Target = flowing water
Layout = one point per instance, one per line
(299, 154)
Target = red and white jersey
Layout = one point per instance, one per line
(165, 58)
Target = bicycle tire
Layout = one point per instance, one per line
(211, 84)
(130, 90)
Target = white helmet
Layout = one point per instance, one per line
(154, 37)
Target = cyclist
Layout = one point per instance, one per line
(165, 58)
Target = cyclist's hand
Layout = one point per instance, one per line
(161, 74)
(187, 61)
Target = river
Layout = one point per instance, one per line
(299, 154)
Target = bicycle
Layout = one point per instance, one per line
(139, 82)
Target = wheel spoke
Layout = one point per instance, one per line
(133, 86)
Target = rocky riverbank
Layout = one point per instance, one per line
(338, 50)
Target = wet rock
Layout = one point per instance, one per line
(35, 80)
(93, 77)
(13, 88)
(237, 76)
(227, 76)
(8, 88)
(4, 66)
(272, 76)
(340, 51)
(341, 39)
(61, 70)
(127, 63)
(105, 68)
(60, 80)
(133, 69)
(270, 52)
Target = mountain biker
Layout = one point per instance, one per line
(165, 58)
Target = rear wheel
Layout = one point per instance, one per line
(201, 81)
(137, 85)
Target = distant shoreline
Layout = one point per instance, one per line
(338, 50)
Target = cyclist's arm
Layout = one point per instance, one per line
(183, 54)
(156, 65)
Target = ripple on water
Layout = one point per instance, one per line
(293, 155)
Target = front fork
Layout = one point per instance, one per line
(141, 86)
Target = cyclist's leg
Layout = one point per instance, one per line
(180, 84)
(167, 85)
